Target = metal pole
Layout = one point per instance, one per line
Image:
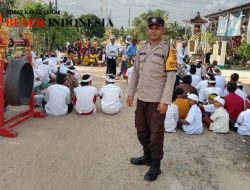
(56, 5)
(129, 21)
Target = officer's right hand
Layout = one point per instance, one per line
(130, 101)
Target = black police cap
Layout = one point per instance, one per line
(156, 20)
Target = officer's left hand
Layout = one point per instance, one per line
(162, 108)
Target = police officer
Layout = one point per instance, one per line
(154, 85)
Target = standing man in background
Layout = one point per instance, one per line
(112, 54)
(131, 52)
(154, 84)
(182, 54)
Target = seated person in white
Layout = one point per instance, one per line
(243, 120)
(220, 118)
(200, 69)
(52, 63)
(172, 115)
(202, 85)
(220, 80)
(192, 125)
(240, 88)
(37, 62)
(110, 96)
(208, 109)
(195, 78)
(58, 98)
(85, 96)
(38, 77)
(203, 95)
(64, 66)
(48, 75)
(235, 78)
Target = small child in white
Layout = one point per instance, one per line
(172, 116)
(110, 95)
(220, 118)
(192, 125)
(243, 120)
(85, 96)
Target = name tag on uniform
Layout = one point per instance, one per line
(143, 53)
(159, 55)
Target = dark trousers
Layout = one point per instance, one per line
(123, 68)
(231, 125)
(111, 66)
(70, 107)
(150, 128)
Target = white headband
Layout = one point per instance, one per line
(220, 100)
(211, 81)
(88, 79)
(193, 97)
(109, 79)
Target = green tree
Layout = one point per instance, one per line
(95, 29)
(5, 5)
(116, 32)
(140, 23)
(176, 31)
(48, 37)
(244, 50)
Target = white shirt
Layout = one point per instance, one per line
(52, 63)
(85, 98)
(181, 54)
(203, 95)
(201, 85)
(220, 81)
(194, 117)
(129, 73)
(172, 117)
(203, 71)
(37, 80)
(198, 72)
(57, 98)
(195, 80)
(47, 72)
(220, 122)
(63, 68)
(112, 51)
(110, 102)
(38, 62)
(33, 55)
(209, 108)
(39, 74)
(103, 57)
(243, 123)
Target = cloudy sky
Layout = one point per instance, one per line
(178, 9)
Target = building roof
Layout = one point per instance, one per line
(198, 19)
(234, 9)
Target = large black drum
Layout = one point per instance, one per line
(18, 82)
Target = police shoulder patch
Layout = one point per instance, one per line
(171, 62)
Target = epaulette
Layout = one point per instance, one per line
(165, 43)
(142, 46)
